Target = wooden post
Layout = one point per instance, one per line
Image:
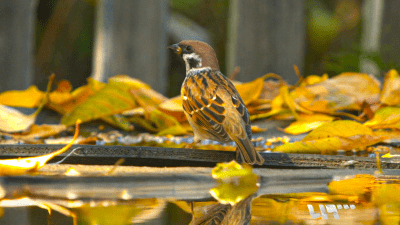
(17, 21)
(266, 37)
(131, 38)
(390, 38)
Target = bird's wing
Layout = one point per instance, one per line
(204, 105)
(206, 97)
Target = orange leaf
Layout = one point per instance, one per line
(345, 91)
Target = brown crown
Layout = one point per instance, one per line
(205, 51)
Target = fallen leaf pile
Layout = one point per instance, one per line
(315, 101)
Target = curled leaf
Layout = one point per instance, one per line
(387, 117)
(20, 166)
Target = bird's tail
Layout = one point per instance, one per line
(247, 151)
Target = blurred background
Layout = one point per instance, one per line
(77, 39)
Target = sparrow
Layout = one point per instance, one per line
(211, 102)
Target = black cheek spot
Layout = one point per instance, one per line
(193, 63)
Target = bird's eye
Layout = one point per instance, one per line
(189, 48)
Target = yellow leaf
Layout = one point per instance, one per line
(128, 81)
(333, 136)
(326, 146)
(339, 128)
(174, 108)
(313, 79)
(29, 98)
(20, 166)
(11, 120)
(276, 107)
(65, 102)
(387, 117)
(390, 94)
(114, 98)
(307, 122)
(236, 182)
(251, 91)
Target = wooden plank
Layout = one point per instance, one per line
(131, 38)
(17, 21)
(174, 157)
(266, 37)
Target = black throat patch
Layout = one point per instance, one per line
(193, 63)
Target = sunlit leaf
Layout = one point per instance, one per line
(333, 136)
(387, 117)
(114, 98)
(307, 122)
(390, 94)
(313, 79)
(29, 164)
(339, 128)
(236, 182)
(155, 120)
(11, 120)
(29, 98)
(63, 102)
(174, 108)
(251, 91)
(276, 107)
(345, 91)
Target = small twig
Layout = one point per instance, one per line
(234, 73)
(118, 163)
(301, 78)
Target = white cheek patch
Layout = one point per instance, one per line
(191, 59)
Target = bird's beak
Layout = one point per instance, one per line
(176, 49)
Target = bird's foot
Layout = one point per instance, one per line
(193, 144)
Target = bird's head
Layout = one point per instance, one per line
(196, 54)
